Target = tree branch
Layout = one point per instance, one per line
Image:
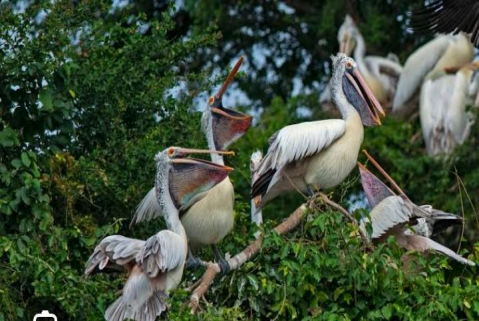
(336, 206)
(213, 269)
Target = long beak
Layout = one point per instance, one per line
(373, 113)
(228, 126)
(189, 177)
(346, 45)
(375, 190)
(386, 175)
(216, 99)
(187, 151)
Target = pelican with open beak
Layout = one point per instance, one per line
(320, 154)
(396, 215)
(380, 73)
(222, 127)
(155, 266)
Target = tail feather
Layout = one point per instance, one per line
(120, 309)
(148, 209)
(260, 186)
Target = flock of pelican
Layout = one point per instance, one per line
(196, 198)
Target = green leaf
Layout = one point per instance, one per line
(387, 311)
(16, 163)
(72, 93)
(45, 98)
(25, 159)
(8, 138)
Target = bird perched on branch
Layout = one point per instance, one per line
(448, 16)
(155, 266)
(320, 154)
(222, 127)
(396, 215)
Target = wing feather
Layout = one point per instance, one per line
(162, 252)
(295, 142)
(417, 66)
(112, 251)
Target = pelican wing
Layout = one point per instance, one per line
(423, 244)
(447, 16)
(148, 209)
(296, 142)
(392, 212)
(114, 251)
(162, 252)
(417, 66)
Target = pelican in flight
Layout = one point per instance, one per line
(396, 215)
(222, 127)
(320, 154)
(155, 266)
(381, 74)
(445, 123)
(448, 16)
(428, 64)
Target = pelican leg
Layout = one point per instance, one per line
(192, 262)
(224, 265)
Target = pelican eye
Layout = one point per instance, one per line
(211, 100)
(349, 65)
(171, 151)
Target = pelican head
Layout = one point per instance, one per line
(347, 36)
(222, 125)
(346, 77)
(180, 178)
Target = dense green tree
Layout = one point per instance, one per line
(90, 92)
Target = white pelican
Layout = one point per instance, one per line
(155, 266)
(381, 74)
(446, 16)
(430, 62)
(445, 123)
(396, 215)
(320, 154)
(222, 127)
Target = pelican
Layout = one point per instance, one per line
(392, 214)
(381, 74)
(429, 63)
(320, 154)
(155, 266)
(445, 123)
(222, 127)
(446, 16)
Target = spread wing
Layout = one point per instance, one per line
(114, 252)
(392, 212)
(162, 252)
(417, 66)
(447, 16)
(148, 209)
(295, 142)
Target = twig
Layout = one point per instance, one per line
(339, 208)
(213, 269)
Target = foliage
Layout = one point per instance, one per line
(88, 95)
